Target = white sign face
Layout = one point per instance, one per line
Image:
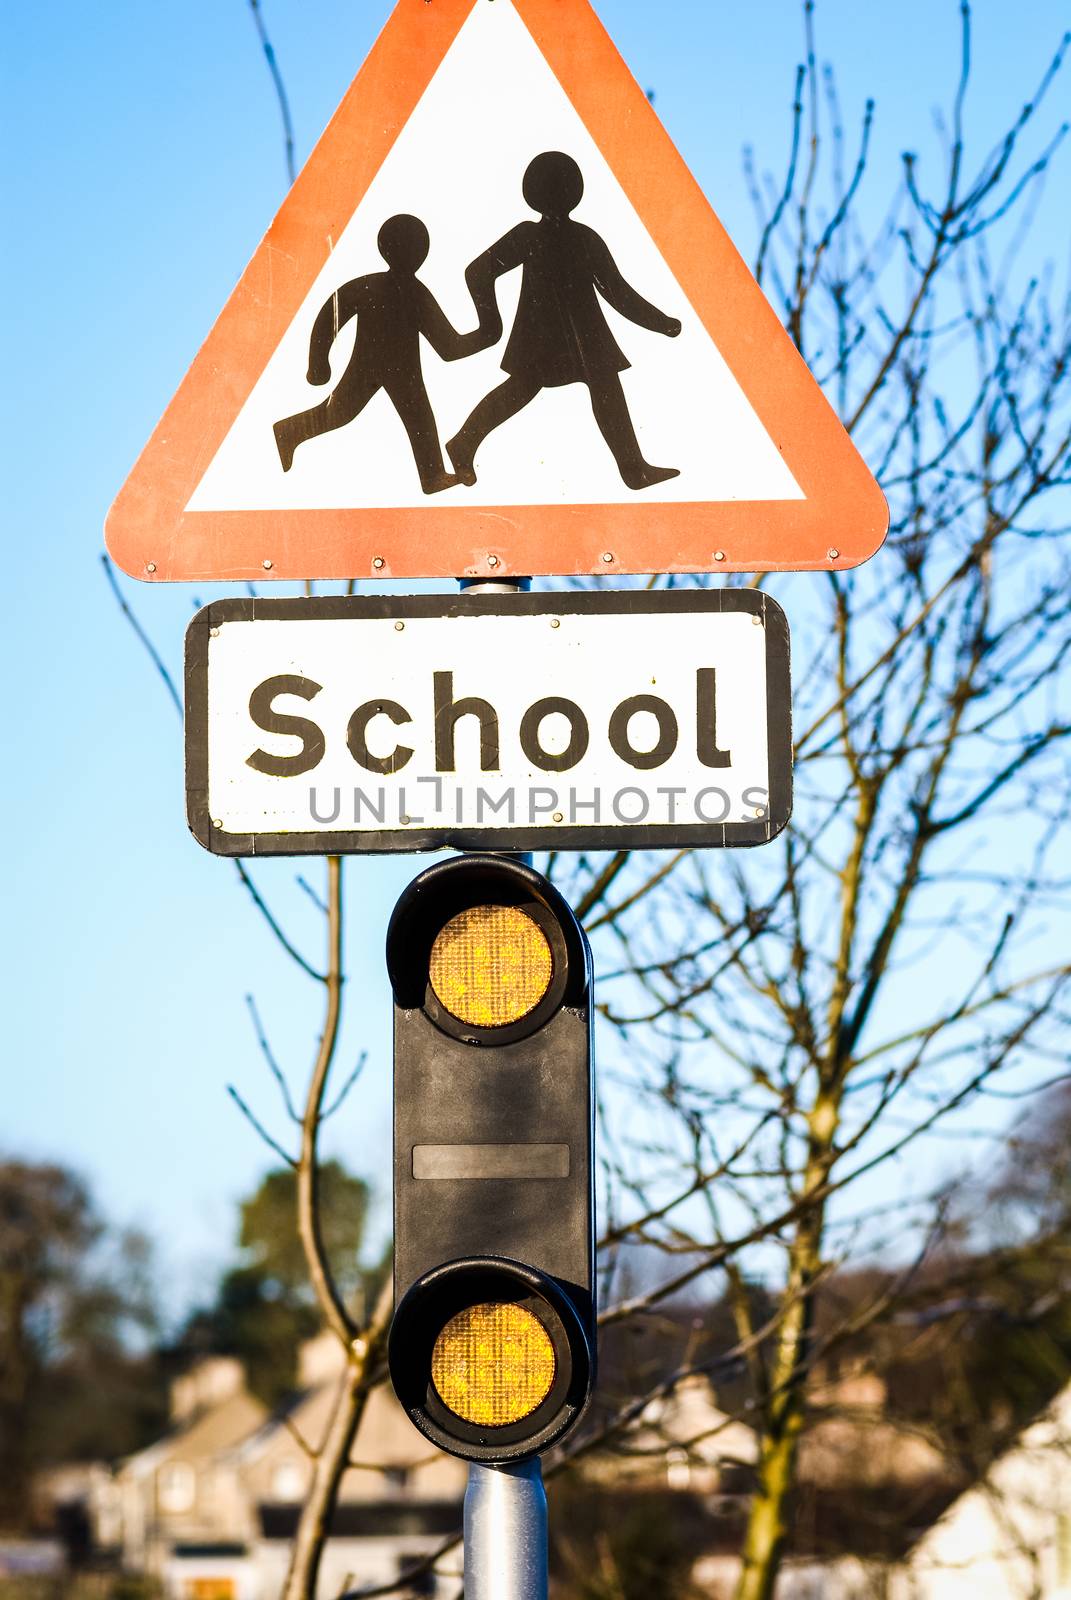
(575, 721)
(460, 193)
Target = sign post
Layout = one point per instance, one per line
(506, 1552)
(495, 331)
(506, 1532)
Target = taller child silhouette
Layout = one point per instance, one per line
(560, 335)
(393, 309)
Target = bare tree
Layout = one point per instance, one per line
(786, 1034)
(794, 1022)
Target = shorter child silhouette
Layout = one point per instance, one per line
(393, 309)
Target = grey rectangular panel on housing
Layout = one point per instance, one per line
(445, 1161)
(536, 1091)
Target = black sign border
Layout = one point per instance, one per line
(551, 836)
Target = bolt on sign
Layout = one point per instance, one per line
(485, 721)
(495, 328)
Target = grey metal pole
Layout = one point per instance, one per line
(506, 1532)
(505, 1507)
(495, 585)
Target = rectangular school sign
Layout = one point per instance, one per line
(479, 721)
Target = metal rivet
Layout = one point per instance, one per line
(756, 622)
(558, 817)
(607, 555)
(150, 566)
(377, 561)
(217, 824)
(267, 566)
(759, 812)
(555, 622)
(399, 627)
(403, 820)
(213, 633)
(492, 561)
(719, 555)
(832, 554)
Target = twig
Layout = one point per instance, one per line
(153, 654)
(346, 1087)
(327, 1293)
(266, 1051)
(259, 1126)
(317, 900)
(294, 954)
(280, 89)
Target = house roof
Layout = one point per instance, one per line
(203, 1435)
(1033, 1470)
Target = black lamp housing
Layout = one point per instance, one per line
(493, 1157)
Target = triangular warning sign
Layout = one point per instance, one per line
(495, 328)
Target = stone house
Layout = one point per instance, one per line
(681, 1440)
(210, 1508)
(1009, 1537)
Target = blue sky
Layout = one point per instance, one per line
(144, 161)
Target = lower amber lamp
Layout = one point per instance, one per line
(493, 1364)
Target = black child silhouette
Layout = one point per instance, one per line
(393, 309)
(560, 335)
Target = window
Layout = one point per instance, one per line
(288, 1483)
(176, 1487)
